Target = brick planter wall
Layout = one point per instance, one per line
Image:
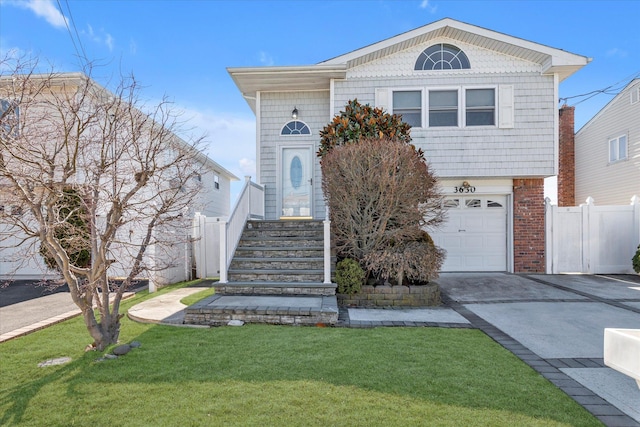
(393, 296)
(528, 226)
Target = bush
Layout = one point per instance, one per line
(349, 276)
(636, 261)
(416, 262)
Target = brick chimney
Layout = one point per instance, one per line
(567, 157)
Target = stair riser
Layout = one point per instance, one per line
(283, 243)
(221, 319)
(289, 225)
(284, 233)
(267, 290)
(279, 253)
(293, 264)
(275, 277)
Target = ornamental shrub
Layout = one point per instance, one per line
(349, 276)
(636, 261)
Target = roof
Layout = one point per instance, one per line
(250, 80)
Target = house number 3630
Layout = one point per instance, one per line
(469, 189)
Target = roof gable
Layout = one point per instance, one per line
(552, 59)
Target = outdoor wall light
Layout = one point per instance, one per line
(466, 184)
(294, 113)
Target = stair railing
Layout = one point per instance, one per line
(249, 205)
(327, 247)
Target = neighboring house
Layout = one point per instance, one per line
(482, 105)
(607, 151)
(213, 200)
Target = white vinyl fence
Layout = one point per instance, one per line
(215, 239)
(592, 239)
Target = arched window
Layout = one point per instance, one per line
(295, 127)
(442, 57)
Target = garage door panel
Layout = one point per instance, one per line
(475, 235)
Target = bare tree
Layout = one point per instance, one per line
(132, 180)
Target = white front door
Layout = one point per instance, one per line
(475, 233)
(296, 182)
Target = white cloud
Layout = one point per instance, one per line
(265, 59)
(619, 53)
(426, 4)
(45, 9)
(101, 38)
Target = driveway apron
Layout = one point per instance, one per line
(555, 323)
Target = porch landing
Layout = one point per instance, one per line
(218, 310)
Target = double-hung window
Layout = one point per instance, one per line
(9, 117)
(216, 182)
(408, 104)
(480, 107)
(618, 148)
(443, 108)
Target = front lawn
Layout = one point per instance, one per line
(259, 375)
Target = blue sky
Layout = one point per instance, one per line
(182, 48)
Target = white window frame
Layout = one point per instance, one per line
(495, 105)
(216, 181)
(422, 102)
(503, 104)
(615, 143)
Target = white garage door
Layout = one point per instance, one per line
(475, 234)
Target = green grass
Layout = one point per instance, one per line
(192, 299)
(259, 375)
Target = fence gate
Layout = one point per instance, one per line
(592, 239)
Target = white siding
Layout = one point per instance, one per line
(609, 183)
(275, 112)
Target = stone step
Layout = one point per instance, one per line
(218, 310)
(284, 232)
(279, 252)
(280, 242)
(276, 275)
(276, 224)
(273, 263)
(275, 288)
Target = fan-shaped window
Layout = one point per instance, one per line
(442, 57)
(295, 127)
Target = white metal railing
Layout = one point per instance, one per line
(250, 205)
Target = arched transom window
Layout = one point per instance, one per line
(295, 127)
(442, 56)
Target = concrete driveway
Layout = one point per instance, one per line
(556, 324)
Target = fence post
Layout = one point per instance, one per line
(327, 247)
(223, 252)
(549, 223)
(635, 202)
(587, 235)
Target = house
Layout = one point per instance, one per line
(483, 108)
(38, 122)
(607, 151)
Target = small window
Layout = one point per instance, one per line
(494, 204)
(443, 108)
(481, 107)
(442, 57)
(9, 117)
(473, 203)
(295, 127)
(216, 182)
(618, 148)
(451, 203)
(408, 104)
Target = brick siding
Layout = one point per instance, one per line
(528, 225)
